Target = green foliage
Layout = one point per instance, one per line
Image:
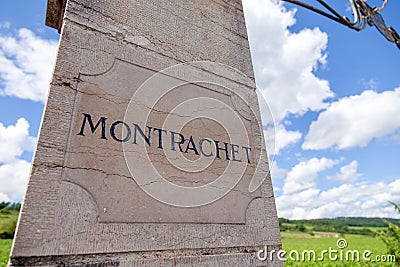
(348, 221)
(283, 220)
(8, 222)
(301, 228)
(391, 237)
(356, 225)
(8, 219)
(4, 204)
(8, 207)
(301, 242)
(396, 206)
(5, 247)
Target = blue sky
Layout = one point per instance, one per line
(334, 94)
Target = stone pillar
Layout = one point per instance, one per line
(150, 150)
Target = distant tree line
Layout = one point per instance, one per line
(8, 207)
(342, 225)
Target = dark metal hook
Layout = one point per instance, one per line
(363, 14)
(336, 17)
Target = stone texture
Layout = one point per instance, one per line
(55, 13)
(82, 206)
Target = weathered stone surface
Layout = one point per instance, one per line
(88, 200)
(55, 13)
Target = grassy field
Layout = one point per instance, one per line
(324, 241)
(295, 239)
(7, 224)
(5, 246)
(300, 242)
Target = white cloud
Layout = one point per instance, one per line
(26, 62)
(285, 65)
(14, 172)
(279, 137)
(4, 198)
(13, 179)
(285, 138)
(347, 173)
(284, 62)
(355, 121)
(370, 84)
(302, 176)
(276, 171)
(302, 199)
(5, 25)
(14, 140)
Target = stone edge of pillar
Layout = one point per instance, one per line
(55, 13)
(239, 256)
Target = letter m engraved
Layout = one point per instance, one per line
(88, 118)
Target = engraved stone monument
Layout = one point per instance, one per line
(151, 150)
